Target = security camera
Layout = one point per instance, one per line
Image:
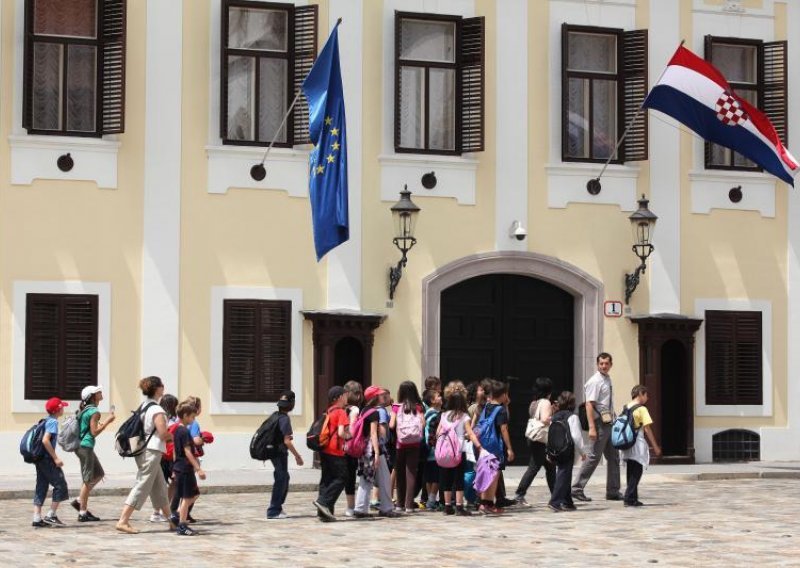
(517, 231)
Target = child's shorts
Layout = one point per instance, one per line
(166, 469)
(186, 484)
(431, 472)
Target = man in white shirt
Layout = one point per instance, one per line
(598, 394)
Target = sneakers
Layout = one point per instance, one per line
(462, 512)
(359, 515)
(503, 502)
(53, 521)
(184, 530)
(374, 505)
(126, 528)
(325, 514)
(39, 524)
(389, 514)
(634, 504)
(280, 515)
(568, 507)
(409, 511)
(555, 508)
(449, 510)
(614, 497)
(520, 500)
(580, 496)
(158, 517)
(174, 519)
(349, 512)
(87, 517)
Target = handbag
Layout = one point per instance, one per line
(536, 430)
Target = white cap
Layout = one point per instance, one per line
(90, 390)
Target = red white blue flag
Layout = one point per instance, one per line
(694, 92)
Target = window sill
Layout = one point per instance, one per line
(733, 410)
(455, 175)
(710, 191)
(34, 157)
(229, 167)
(566, 183)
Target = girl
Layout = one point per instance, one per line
(561, 498)
(542, 409)
(355, 400)
(408, 422)
(456, 417)
(90, 427)
(169, 403)
(432, 399)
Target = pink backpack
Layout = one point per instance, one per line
(357, 444)
(448, 446)
(408, 426)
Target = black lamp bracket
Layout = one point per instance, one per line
(632, 280)
(396, 272)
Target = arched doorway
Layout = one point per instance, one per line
(512, 328)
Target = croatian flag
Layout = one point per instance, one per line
(694, 92)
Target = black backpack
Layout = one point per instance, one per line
(265, 443)
(319, 434)
(582, 417)
(31, 446)
(560, 447)
(130, 440)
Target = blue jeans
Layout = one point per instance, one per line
(280, 489)
(48, 474)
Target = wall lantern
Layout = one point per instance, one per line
(404, 213)
(643, 222)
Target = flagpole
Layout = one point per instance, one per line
(258, 172)
(593, 185)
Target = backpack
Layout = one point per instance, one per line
(31, 446)
(623, 434)
(582, 417)
(408, 426)
(357, 444)
(431, 426)
(169, 455)
(130, 440)
(490, 440)
(448, 447)
(560, 447)
(71, 433)
(264, 444)
(319, 434)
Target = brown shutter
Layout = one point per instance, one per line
(472, 84)
(42, 330)
(707, 43)
(79, 345)
(398, 46)
(634, 81)
(733, 358)
(112, 74)
(27, 71)
(773, 82)
(305, 52)
(256, 350)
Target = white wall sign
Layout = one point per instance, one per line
(612, 308)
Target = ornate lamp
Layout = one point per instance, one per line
(404, 213)
(643, 222)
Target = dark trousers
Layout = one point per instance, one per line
(634, 476)
(48, 474)
(538, 460)
(407, 466)
(562, 494)
(452, 478)
(332, 482)
(280, 488)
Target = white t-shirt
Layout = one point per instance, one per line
(155, 443)
(460, 428)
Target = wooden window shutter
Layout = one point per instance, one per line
(773, 82)
(112, 74)
(473, 78)
(79, 345)
(748, 362)
(398, 46)
(256, 350)
(634, 79)
(42, 328)
(305, 52)
(733, 358)
(27, 68)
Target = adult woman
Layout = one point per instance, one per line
(542, 409)
(149, 477)
(89, 428)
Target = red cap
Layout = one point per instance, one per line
(208, 437)
(372, 392)
(54, 405)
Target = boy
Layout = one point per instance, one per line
(432, 399)
(281, 460)
(561, 496)
(638, 457)
(184, 468)
(332, 458)
(48, 469)
(496, 410)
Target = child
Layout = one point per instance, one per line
(408, 423)
(169, 403)
(561, 498)
(456, 417)
(386, 442)
(48, 469)
(280, 489)
(433, 401)
(332, 458)
(355, 400)
(494, 438)
(638, 457)
(185, 467)
(372, 468)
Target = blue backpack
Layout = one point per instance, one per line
(623, 434)
(31, 446)
(490, 440)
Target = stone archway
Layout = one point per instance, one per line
(587, 291)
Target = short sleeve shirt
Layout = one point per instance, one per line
(182, 438)
(194, 429)
(598, 390)
(369, 420)
(284, 426)
(460, 423)
(335, 446)
(51, 427)
(87, 440)
(155, 443)
(641, 416)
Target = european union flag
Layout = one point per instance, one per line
(327, 178)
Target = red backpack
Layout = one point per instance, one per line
(169, 455)
(357, 444)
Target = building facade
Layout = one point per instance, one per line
(134, 240)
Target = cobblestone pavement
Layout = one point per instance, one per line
(708, 523)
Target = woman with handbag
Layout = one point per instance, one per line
(541, 412)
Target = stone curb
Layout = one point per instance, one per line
(731, 475)
(205, 489)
